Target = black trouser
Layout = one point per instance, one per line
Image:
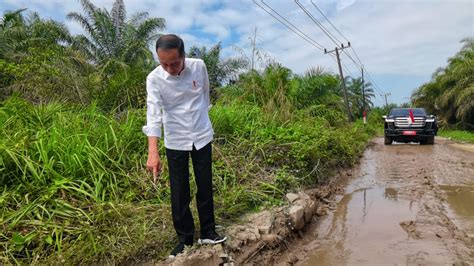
(178, 164)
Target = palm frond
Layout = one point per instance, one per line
(88, 7)
(148, 28)
(118, 15)
(83, 21)
(137, 18)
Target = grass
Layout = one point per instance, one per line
(72, 181)
(458, 135)
(74, 188)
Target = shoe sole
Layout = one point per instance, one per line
(210, 241)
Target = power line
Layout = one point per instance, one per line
(328, 33)
(359, 64)
(373, 82)
(311, 41)
(350, 57)
(347, 69)
(320, 11)
(299, 32)
(357, 56)
(293, 28)
(379, 101)
(378, 90)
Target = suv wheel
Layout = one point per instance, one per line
(430, 140)
(388, 140)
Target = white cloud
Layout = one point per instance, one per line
(344, 4)
(401, 38)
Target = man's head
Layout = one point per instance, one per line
(170, 51)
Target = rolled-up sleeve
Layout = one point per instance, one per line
(153, 110)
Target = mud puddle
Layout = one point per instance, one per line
(460, 206)
(365, 220)
(396, 210)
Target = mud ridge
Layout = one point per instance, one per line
(262, 236)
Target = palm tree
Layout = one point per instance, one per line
(426, 97)
(111, 38)
(18, 33)
(450, 94)
(219, 70)
(358, 99)
(457, 100)
(36, 59)
(317, 87)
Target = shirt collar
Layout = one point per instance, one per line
(186, 68)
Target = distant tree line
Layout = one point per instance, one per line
(41, 61)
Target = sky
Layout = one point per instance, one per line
(399, 42)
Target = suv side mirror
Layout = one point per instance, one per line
(384, 117)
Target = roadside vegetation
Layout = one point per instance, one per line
(450, 93)
(458, 135)
(72, 154)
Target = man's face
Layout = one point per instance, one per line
(170, 61)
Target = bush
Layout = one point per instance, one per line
(74, 187)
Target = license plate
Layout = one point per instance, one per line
(409, 133)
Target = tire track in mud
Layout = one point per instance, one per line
(402, 204)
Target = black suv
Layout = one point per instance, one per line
(410, 125)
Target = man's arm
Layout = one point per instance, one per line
(153, 127)
(206, 88)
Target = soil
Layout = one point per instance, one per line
(401, 204)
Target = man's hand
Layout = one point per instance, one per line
(154, 165)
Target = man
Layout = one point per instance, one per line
(178, 99)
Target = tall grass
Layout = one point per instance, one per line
(65, 173)
(459, 135)
(74, 189)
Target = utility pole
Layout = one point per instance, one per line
(341, 75)
(253, 42)
(363, 90)
(363, 97)
(386, 102)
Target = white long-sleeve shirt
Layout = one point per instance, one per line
(181, 105)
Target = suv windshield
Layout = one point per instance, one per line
(406, 112)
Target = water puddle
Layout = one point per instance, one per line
(367, 225)
(379, 220)
(460, 206)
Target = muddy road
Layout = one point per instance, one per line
(404, 204)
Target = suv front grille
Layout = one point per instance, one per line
(406, 122)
